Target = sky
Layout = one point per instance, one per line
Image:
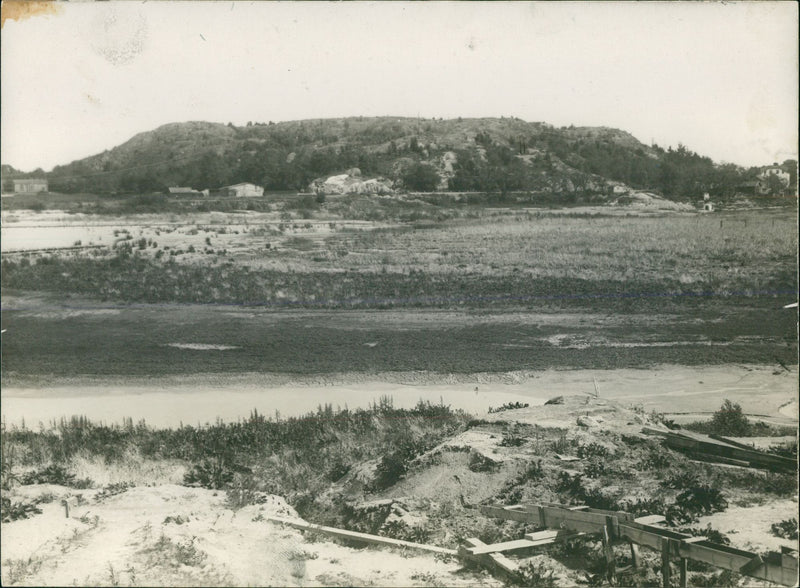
(720, 78)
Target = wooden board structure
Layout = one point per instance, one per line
(716, 448)
(362, 537)
(781, 568)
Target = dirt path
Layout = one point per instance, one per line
(688, 393)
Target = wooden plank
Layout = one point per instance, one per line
(706, 444)
(511, 514)
(650, 520)
(497, 562)
(730, 441)
(552, 536)
(506, 546)
(708, 457)
(362, 537)
(789, 562)
(684, 568)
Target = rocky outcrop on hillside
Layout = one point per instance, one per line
(350, 182)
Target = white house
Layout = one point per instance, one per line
(183, 190)
(30, 186)
(242, 190)
(765, 185)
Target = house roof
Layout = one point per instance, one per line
(240, 184)
(30, 181)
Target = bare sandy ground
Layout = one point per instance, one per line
(686, 393)
(177, 536)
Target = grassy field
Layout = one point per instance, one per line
(692, 289)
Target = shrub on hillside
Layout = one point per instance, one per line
(730, 420)
(211, 474)
(13, 511)
(54, 474)
(787, 529)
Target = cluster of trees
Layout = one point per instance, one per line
(288, 156)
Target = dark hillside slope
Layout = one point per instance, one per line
(486, 154)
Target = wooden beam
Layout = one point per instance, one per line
(684, 572)
(361, 537)
(666, 571)
(636, 559)
(608, 554)
(504, 547)
(496, 562)
(782, 569)
(707, 446)
(552, 536)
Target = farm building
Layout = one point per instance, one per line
(243, 189)
(183, 191)
(30, 186)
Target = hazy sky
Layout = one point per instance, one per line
(720, 78)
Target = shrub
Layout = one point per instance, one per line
(509, 406)
(592, 450)
(710, 533)
(703, 499)
(787, 529)
(534, 574)
(54, 474)
(512, 440)
(211, 474)
(730, 420)
(595, 467)
(681, 480)
(13, 511)
(480, 463)
(784, 449)
(112, 490)
(391, 468)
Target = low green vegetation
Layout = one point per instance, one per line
(730, 421)
(294, 457)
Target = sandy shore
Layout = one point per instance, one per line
(685, 392)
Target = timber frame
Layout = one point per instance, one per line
(613, 527)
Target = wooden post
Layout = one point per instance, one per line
(608, 552)
(684, 570)
(666, 572)
(635, 558)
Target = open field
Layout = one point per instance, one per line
(503, 257)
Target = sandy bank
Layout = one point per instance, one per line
(677, 390)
